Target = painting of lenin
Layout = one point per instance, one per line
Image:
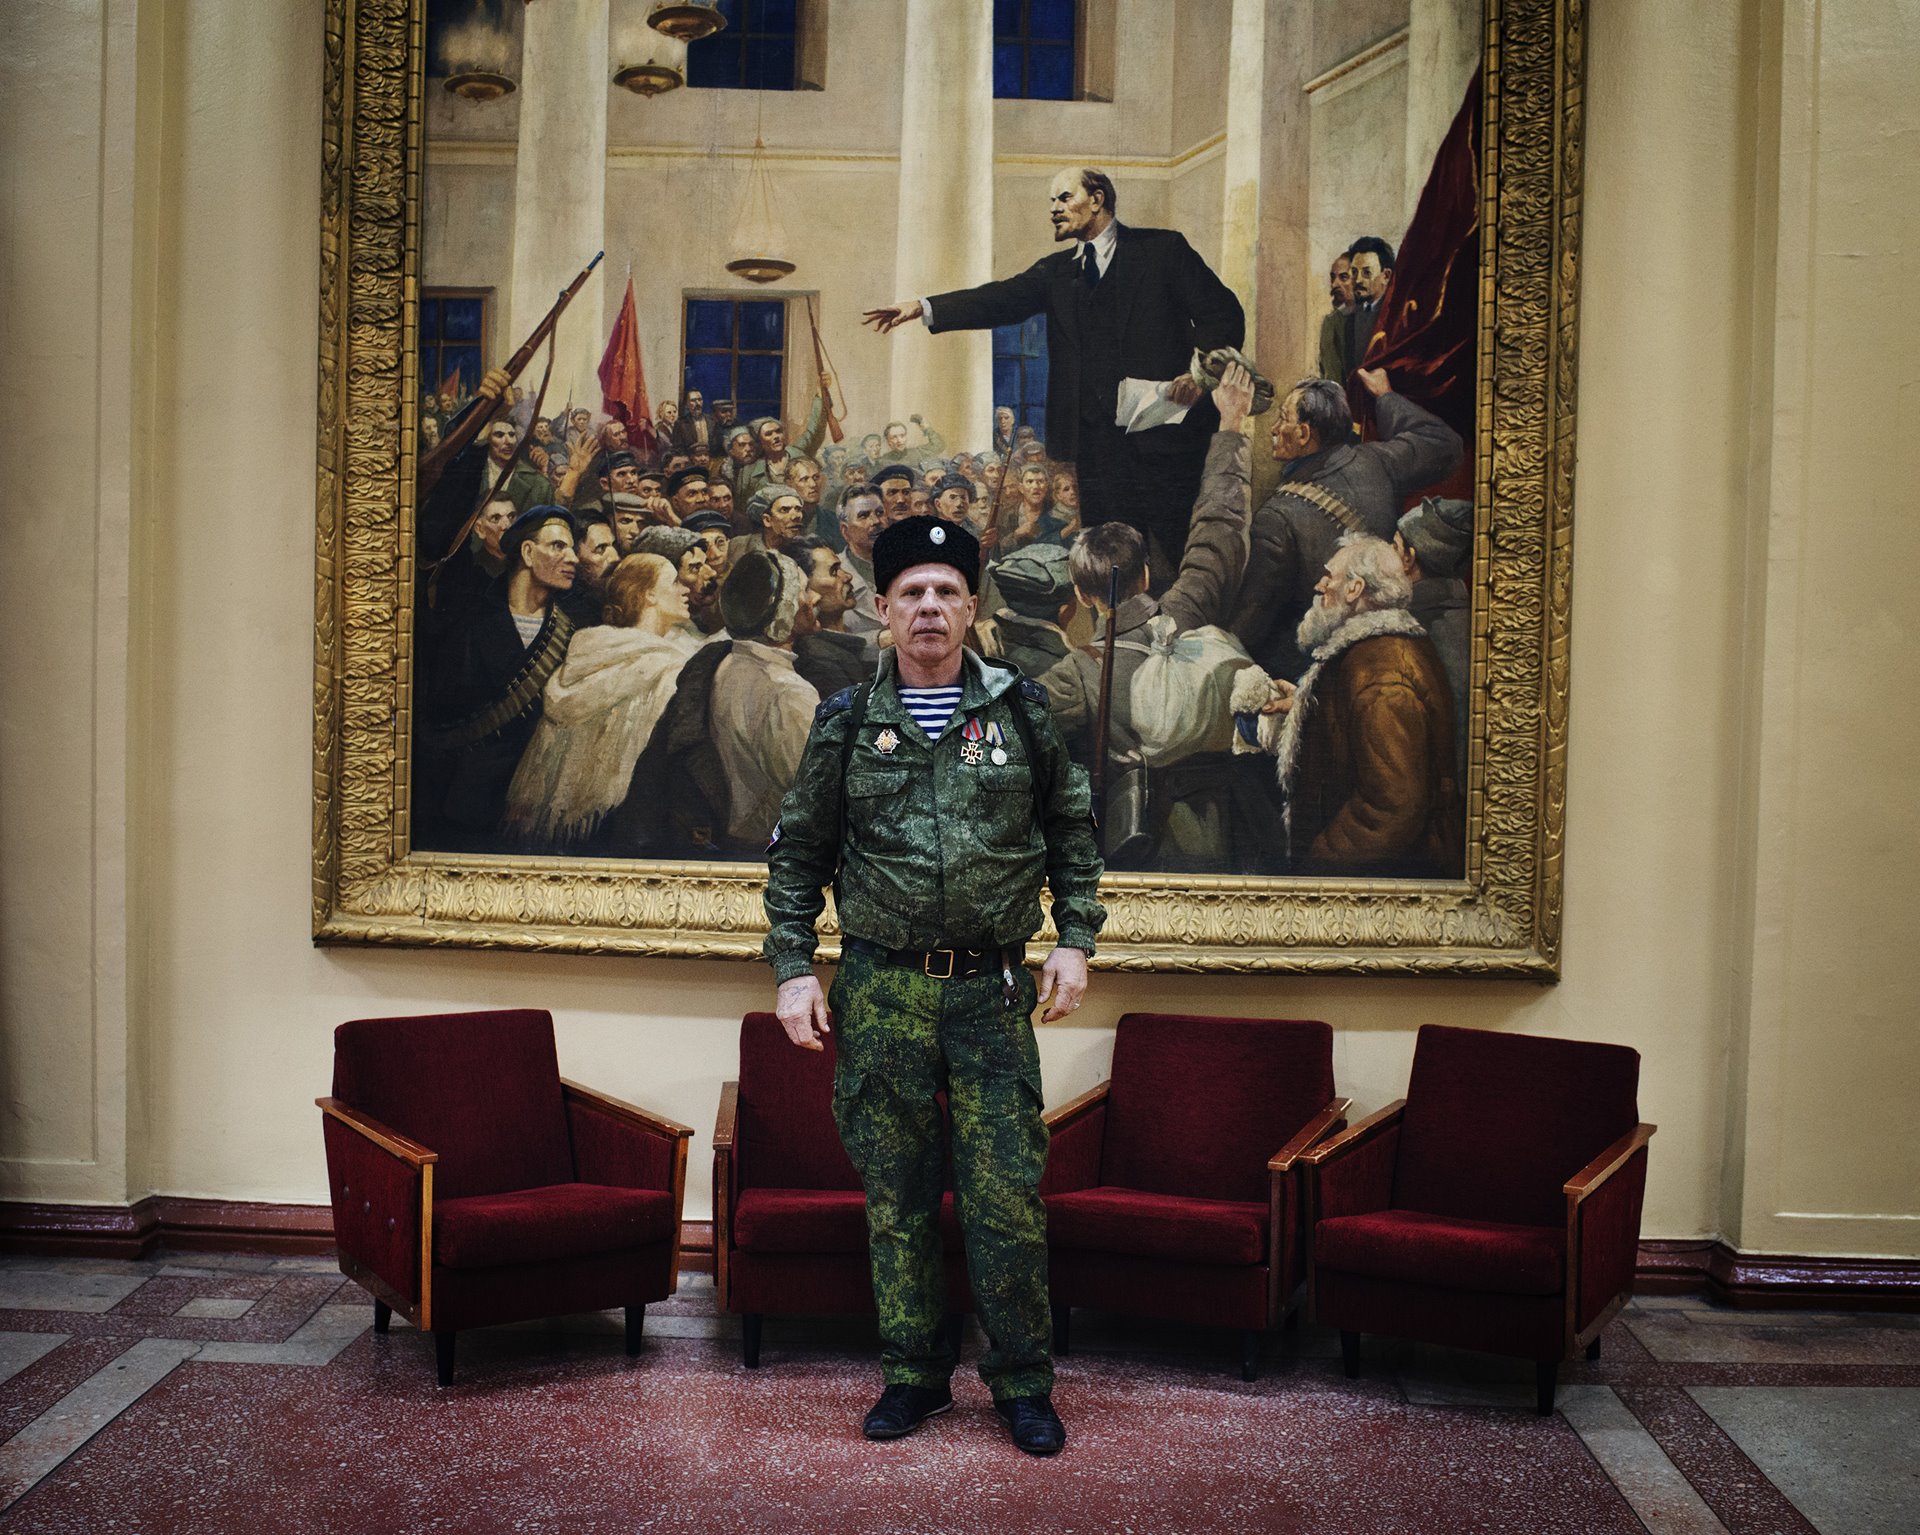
(987, 262)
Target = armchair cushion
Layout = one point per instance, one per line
(1451, 1254)
(816, 1221)
(1198, 1105)
(563, 1220)
(1150, 1225)
(481, 1089)
(1496, 1123)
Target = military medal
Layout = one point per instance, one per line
(999, 756)
(973, 730)
(971, 752)
(885, 742)
(997, 739)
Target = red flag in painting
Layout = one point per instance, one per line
(1428, 335)
(623, 380)
(450, 386)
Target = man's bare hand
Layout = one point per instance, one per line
(495, 384)
(1375, 380)
(1282, 699)
(660, 509)
(1184, 391)
(893, 316)
(1234, 397)
(802, 1007)
(1063, 978)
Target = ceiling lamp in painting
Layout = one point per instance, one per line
(685, 23)
(475, 45)
(651, 65)
(758, 234)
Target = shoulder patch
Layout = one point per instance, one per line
(1033, 692)
(838, 704)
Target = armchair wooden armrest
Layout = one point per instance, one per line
(1311, 1133)
(1585, 1183)
(355, 1261)
(619, 1108)
(1376, 1124)
(1075, 1109)
(725, 1127)
(386, 1138)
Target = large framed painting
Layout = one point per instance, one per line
(1240, 336)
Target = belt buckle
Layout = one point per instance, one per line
(926, 964)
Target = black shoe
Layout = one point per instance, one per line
(1035, 1426)
(902, 1408)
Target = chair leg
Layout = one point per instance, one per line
(1545, 1373)
(443, 1356)
(636, 1320)
(1062, 1331)
(1593, 1348)
(382, 1316)
(750, 1339)
(1350, 1354)
(1250, 1341)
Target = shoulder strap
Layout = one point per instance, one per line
(1320, 497)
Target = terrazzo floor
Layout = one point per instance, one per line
(214, 1393)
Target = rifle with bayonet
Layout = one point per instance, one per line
(478, 419)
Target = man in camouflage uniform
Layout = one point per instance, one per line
(936, 834)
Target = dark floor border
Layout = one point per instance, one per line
(216, 1225)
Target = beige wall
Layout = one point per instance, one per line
(1740, 808)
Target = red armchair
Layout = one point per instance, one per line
(1495, 1207)
(472, 1186)
(1172, 1189)
(790, 1215)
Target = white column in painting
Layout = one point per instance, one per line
(1241, 178)
(1443, 49)
(560, 181)
(945, 235)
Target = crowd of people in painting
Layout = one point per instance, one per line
(622, 633)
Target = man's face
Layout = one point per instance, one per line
(543, 431)
(920, 502)
(675, 463)
(697, 574)
(627, 522)
(613, 436)
(691, 497)
(598, 554)
(782, 521)
(495, 519)
(725, 412)
(856, 474)
(871, 444)
(1003, 420)
(713, 543)
(1409, 559)
(896, 500)
(625, 480)
(696, 404)
(860, 524)
(807, 481)
(667, 413)
(1066, 492)
(1335, 591)
(1072, 207)
(992, 473)
(720, 496)
(649, 482)
(1033, 487)
(1369, 278)
(832, 586)
(952, 505)
(927, 610)
(502, 438)
(582, 420)
(740, 449)
(773, 439)
(549, 555)
(1291, 438)
(1340, 282)
(896, 436)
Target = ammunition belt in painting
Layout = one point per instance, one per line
(1325, 500)
(523, 693)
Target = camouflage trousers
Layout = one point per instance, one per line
(903, 1037)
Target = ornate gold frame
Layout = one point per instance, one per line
(1502, 919)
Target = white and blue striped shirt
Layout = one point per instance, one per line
(931, 708)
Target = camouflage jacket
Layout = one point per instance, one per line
(937, 850)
